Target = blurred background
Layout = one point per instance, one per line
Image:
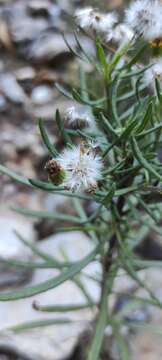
(33, 57)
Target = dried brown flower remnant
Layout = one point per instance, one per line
(55, 172)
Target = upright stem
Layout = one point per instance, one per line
(107, 284)
(103, 314)
(101, 324)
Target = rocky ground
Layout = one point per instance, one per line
(33, 58)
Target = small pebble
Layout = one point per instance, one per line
(41, 95)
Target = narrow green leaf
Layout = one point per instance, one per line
(114, 94)
(147, 327)
(142, 264)
(118, 55)
(136, 73)
(20, 179)
(108, 198)
(81, 99)
(72, 51)
(137, 88)
(128, 266)
(47, 215)
(102, 57)
(90, 59)
(124, 136)
(107, 126)
(149, 131)
(143, 161)
(37, 324)
(145, 119)
(147, 209)
(27, 264)
(59, 190)
(64, 91)
(126, 133)
(137, 56)
(130, 94)
(127, 113)
(83, 83)
(49, 259)
(51, 283)
(61, 128)
(127, 190)
(122, 346)
(42, 185)
(79, 283)
(158, 90)
(46, 140)
(61, 308)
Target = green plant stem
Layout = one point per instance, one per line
(108, 103)
(107, 284)
(101, 324)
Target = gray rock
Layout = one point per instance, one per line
(47, 111)
(3, 103)
(49, 46)
(20, 139)
(41, 95)
(11, 248)
(26, 28)
(25, 73)
(38, 7)
(56, 19)
(67, 6)
(54, 12)
(55, 342)
(22, 26)
(11, 89)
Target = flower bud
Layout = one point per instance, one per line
(55, 172)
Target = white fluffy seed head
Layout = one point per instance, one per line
(145, 18)
(83, 168)
(79, 116)
(120, 34)
(153, 73)
(107, 22)
(84, 17)
(91, 20)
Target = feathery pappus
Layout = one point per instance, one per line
(79, 117)
(120, 34)
(145, 18)
(80, 166)
(90, 19)
(153, 73)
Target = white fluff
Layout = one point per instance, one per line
(77, 116)
(83, 168)
(84, 17)
(91, 20)
(153, 73)
(145, 18)
(106, 22)
(121, 34)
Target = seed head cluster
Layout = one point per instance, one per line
(91, 20)
(105, 25)
(145, 18)
(142, 18)
(81, 166)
